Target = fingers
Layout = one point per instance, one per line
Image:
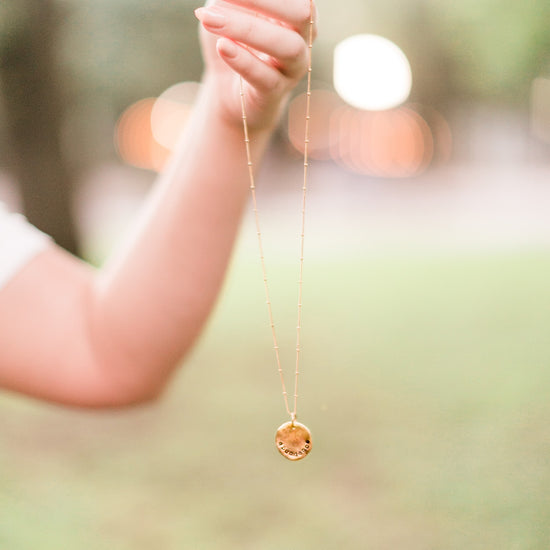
(263, 77)
(285, 45)
(294, 13)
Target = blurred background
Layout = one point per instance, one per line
(426, 362)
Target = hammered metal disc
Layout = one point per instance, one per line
(293, 440)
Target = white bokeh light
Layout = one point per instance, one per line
(371, 72)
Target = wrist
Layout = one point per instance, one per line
(223, 104)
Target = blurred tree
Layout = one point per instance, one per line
(33, 114)
(68, 68)
(496, 47)
(115, 53)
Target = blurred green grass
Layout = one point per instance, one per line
(425, 384)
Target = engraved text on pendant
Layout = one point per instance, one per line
(293, 440)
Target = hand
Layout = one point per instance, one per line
(263, 41)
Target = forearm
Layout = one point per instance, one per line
(112, 336)
(150, 302)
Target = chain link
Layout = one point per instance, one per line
(291, 413)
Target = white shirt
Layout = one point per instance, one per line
(19, 243)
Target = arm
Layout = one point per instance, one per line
(112, 337)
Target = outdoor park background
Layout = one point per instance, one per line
(426, 363)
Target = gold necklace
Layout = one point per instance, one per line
(293, 439)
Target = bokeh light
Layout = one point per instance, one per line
(134, 137)
(371, 72)
(148, 130)
(322, 106)
(171, 112)
(396, 143)
(441, 132)
(393, 143)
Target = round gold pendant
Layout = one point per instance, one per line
(293, 440)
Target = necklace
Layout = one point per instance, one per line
(293, 439)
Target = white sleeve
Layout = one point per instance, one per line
(19, 243)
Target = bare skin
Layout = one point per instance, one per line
(113, 336)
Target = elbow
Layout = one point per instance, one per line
(136, 393)
(148, 395)
(125, 387)
(131, 377)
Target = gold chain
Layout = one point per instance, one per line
(292, 413)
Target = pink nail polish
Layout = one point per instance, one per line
(210, 18)
(227, 48)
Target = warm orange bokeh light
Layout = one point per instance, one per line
(441, 131)
(395, 143)
(134, 137)
(148, 130)
(171, 112)
(323, 104)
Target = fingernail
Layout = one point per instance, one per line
(227, 47)
(210, 18)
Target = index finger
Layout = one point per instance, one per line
(295, 13)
